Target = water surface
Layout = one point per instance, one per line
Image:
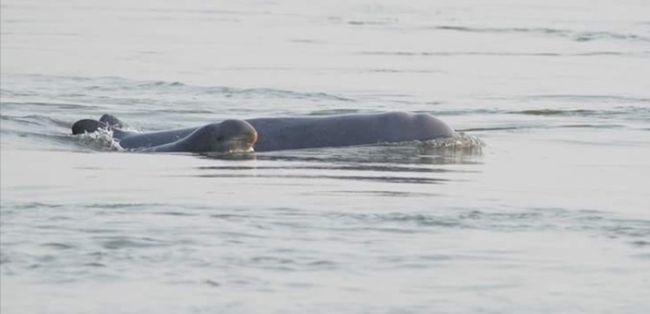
(549, 215)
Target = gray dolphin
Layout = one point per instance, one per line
(226, 136)
(302, 132)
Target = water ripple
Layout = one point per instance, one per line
(579, 36)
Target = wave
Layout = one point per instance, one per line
(580, 36)
(375, 178)
(616, 111)
(534, 219)
(504, 53)
(41, 120)
(591, 98)
(107, 87)
(175, 87)
(375, 22)
(48, 105)
(55, 133)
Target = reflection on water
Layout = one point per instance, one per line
(447, 151)
(389, 163)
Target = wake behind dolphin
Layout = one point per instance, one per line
(283, 133)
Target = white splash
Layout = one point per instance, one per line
(102, 139)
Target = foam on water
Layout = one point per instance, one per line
(102, 140)
(460, 141)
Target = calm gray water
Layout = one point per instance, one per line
(551, 214)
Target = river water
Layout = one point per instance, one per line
(551, 213)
